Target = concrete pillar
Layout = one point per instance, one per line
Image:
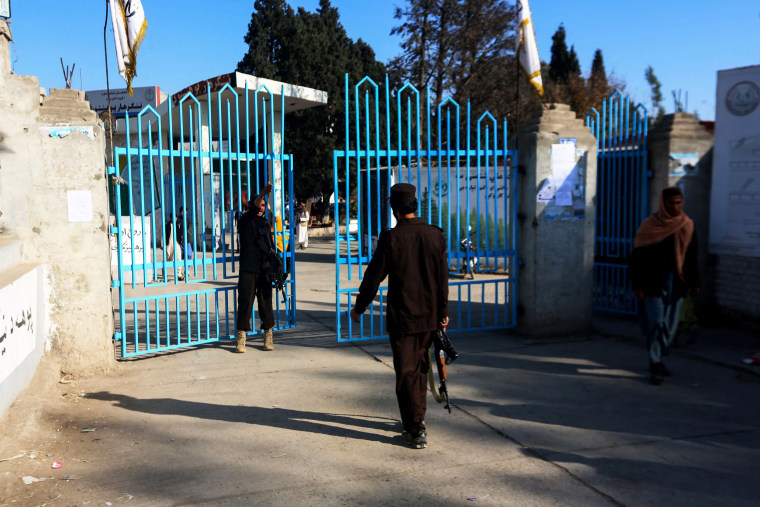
(54, 204)
(680, 154)
(556, 241)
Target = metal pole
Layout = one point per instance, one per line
(108, 93)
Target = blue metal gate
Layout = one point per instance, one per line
(182, 179)
(621, 197)
(466, 185)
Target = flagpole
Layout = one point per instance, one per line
(517, 90)
(108, 91)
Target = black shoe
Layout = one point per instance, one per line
(660, 369)
(656, 373)
(417, 440)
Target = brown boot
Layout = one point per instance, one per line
(268, 343)
(240, 342)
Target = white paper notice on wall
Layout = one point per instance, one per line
(563, 162)
(80, 205)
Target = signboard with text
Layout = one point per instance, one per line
(121, 102)
(735, 194)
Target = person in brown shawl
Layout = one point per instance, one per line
(663, 269)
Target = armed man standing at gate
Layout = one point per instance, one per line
(256, 250)
(413, 257)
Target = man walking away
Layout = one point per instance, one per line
(256, 249)
(413, 257)
(663, 269)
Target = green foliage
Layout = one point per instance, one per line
(559, 65)
(658, 111)
(492, 233)
(313, 50)
(463, 49)
(597, 68)
(565, 83)
(431, 205)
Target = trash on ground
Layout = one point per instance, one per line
(88, 430)
(753, 359)
(69, 478)
(14, 457)
(56, 465)
(28, 479)
(478, 498)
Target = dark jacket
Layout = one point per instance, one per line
(413, 257)
(255, 242)
(650, 266)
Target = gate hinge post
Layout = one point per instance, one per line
(117, 336)
(115, 284)
(110, 170)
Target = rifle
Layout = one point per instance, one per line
(276, 273)
(444, 354)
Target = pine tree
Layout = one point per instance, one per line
(272, 23)
(597, 83)
(463, 49)
(573, 66)
(313, 50)
(598, 74)
(657, 111)
(559, 65)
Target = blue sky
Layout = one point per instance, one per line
(685, 41)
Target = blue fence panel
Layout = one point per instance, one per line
(188, 169)
(466, 185)
(621, 197)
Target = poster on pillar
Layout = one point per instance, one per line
(564, 191)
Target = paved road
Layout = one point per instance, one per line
(563, 421)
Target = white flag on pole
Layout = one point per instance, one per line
(129, 26)
(527, 51)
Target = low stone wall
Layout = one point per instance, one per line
(737, 286)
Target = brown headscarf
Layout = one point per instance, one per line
(660, 225)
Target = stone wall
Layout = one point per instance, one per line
(54, 220)
(737, 286)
